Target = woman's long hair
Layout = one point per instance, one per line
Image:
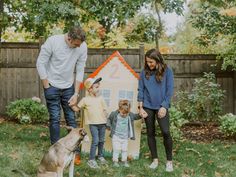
(159, 72)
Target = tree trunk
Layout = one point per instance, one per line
(1, 16)
(159, 28)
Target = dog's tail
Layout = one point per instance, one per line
(23, 174)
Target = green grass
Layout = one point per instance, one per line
(22, 147)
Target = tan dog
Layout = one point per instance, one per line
(61, 154)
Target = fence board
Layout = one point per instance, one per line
(19, 78)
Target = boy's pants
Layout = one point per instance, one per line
(98, 139)
(118, 145)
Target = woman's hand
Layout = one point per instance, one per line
(143, 113)
(162, 112)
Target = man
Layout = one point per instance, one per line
(59, 56)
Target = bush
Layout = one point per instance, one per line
(176, 122)
(27, 111)
(204, 102)
(228, 124)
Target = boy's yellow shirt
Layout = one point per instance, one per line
(94, 109)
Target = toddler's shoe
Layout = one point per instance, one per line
(102, 160)
(169, 167)
(126, 164)
(92, 164)
(154, 165)
(116, 164)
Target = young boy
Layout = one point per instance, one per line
(95, 116)
(121, 124)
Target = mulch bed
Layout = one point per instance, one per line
(204, 132)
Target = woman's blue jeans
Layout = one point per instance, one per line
(57, 98)
(98, 139)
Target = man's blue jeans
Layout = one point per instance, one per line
(98, 139)
(57, 98)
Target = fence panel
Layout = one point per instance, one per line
(19, 78)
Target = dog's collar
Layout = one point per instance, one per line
(71, 150)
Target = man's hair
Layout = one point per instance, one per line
(77, 32)
(124, 105)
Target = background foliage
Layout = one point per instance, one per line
(228, 124)
(217, 21)
(27, 111)
(204, 102)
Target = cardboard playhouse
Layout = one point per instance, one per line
(119, 81)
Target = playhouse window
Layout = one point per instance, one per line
(126, 94)
(106, 95)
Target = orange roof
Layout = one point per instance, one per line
(121, 59)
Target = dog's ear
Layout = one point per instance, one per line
(69, 128)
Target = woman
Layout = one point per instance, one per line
(155, 90)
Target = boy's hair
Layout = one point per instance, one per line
(124, 105)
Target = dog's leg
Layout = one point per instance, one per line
(71, 168)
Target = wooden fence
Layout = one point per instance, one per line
(19, 78)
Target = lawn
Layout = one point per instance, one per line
(22, 147)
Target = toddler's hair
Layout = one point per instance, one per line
(124, 105)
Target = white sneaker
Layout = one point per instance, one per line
(169, 166)
(116, 164)
(126, 164)
(102, 160)
(92, 164)
(154, 165)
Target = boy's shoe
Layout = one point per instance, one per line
(116, 164)
(92, 164)
(126, 164)
(169, 167)
(102, 160)
(77, 159)
(154, 165)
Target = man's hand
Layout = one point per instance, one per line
(162, 112)
(73, 100)
(75, 108)
(45, 83)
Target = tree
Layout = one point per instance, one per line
(2, 20)
(110, 13)
(217, 20)
(39, 16)
(167, 6)
(142, 29)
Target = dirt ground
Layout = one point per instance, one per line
(204, 132)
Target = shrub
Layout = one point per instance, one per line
(176, 122)
(228, 124)
(27, 111)
(204, 102)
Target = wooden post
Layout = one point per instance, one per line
(141, 56)
(41, 41)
